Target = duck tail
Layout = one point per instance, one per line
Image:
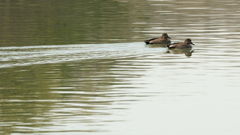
(147, 41)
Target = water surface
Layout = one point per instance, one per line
(81, 68)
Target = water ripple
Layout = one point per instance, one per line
(22, 56)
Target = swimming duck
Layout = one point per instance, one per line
(181, 45)
(164, 39)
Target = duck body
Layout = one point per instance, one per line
(181, 45)
(164, 39)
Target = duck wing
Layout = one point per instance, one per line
(173, 45)
(148, 41)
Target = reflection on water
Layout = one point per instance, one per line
(84, 92)
(156, 45)
(186, 52)
(82, 67)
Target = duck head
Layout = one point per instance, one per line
(189, 41)
(165, 36)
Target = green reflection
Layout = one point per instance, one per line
(34, 96)
(24, 97)
(25, 22)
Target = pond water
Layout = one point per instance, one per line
(82, 68)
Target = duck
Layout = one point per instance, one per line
(181, 45)
(164, 39)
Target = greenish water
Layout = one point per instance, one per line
(53, 22)
(81, 67)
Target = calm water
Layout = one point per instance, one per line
(81, 67)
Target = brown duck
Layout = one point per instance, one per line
(164, 39)
(181, 45)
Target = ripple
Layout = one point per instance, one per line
(22, 56)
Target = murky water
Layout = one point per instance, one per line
(81, 68)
